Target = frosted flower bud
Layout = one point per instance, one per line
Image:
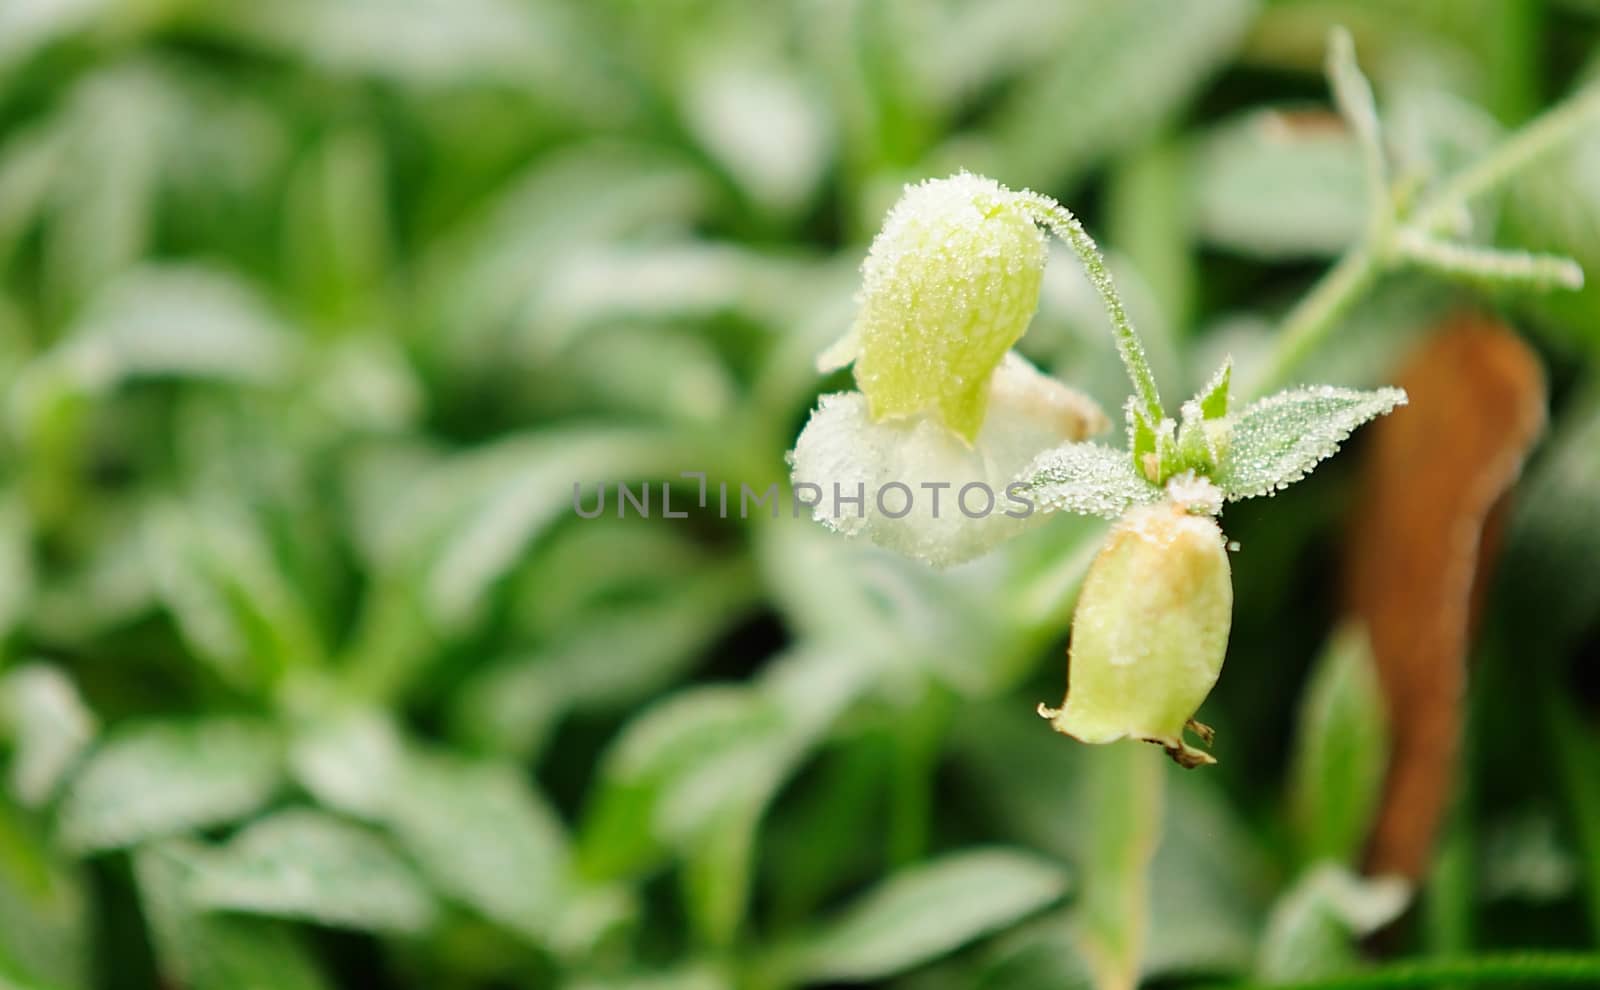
(949, 285)
(1149, 632)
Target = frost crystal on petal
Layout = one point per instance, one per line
(921, 468)
(1087, 478)
(1277, 441)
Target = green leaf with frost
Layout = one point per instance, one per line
(41, 710)
(167, 777)
(1122, 69)
(631, 821)
(1269, 186)
(309, 865)
(1087, 478)
(927, 911)
(1312, 931)
(1215, 396)
(1277, 441)
(201, 950)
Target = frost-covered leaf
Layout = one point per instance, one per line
(218, 573)
(484, 838)
(1215, 396)
(1491, 267)
(167, 777)
(1341, 751)
(1280, 185)
(629, 824)
(1278, 440)
(309, 865)
(461, 525)
(1121, 69)
(432, 43)
(200, 950)
(1087, 478)
(764, 123)
(350, 761)
(1313, 929)
(605, 657)
(476, 830)
(927, 911)
(49, 725)
(178, 321)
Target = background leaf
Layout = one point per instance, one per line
(166, 777)
(303, 864)
(928, 911)
(1341, 753)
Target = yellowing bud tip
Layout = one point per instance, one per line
(1149, 633)
(949, 284)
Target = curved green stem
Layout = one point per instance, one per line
(1066, 226)
(1390, 244)
(1316, 315)
(1545, 134)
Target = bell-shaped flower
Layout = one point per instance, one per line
(1151, 626)
(926, 458)
(914, 486)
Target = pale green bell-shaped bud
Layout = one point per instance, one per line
(1150, 630)
(949, 285)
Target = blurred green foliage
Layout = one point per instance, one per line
(313, 311)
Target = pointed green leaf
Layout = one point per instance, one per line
(1088, 479)
(1200, 440)
(198, 950)
(928, 911)
(167, 777)
(50, 726)
(484, 837)
(1214, 397)
(1278, 440)
(1313, 930)
(1341, 751)
(310, 865)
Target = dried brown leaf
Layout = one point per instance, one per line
(1425, 534)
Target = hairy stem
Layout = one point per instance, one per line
(1389, 245)
(1547, 133)
(1066, 226)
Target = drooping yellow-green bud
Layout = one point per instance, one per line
(950, 284)
(1149, 633)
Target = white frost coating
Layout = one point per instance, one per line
(841, 445)
(1277, 441)
(1197, 495)
(949, 284)
(1089, 479)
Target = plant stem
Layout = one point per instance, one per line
(1310, 322)
(1545, 134)
(1066, 226)
(1518, 968)
(1315, 316)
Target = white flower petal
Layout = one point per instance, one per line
(923, 491)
